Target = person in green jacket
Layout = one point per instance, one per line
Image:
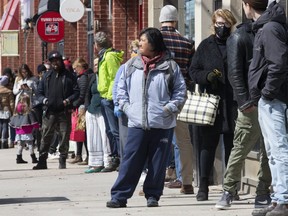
(109, 62)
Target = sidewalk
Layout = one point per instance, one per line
(69, 192)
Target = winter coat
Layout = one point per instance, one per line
(207, 58)
(82, 81)
(151, 103)
(6, 102)
(92, 99)
(70, 88)
(268, 72)
(107, 69)
(32, 83)
(239, 57)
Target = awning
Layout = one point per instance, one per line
(10, 18)
(48, 5)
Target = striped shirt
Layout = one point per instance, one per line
(181, 48)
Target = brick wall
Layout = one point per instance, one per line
(123, 28)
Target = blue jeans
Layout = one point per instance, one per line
(177, 158)
(4, 129)
(112, 127)
(272, 120)
(142, 145)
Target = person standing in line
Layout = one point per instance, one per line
(209, 70)
(151, 92)
(80, 66)
(6, 106)
(57, 91)
(268, 87)
(109, 62)
(24, 121)
(122, 118)
(182, 51)
(98, 146)
(247, 131)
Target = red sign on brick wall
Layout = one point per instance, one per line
(50, 27)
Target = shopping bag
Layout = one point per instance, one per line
(76, 134)
(199, 108)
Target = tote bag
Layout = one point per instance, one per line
(199, 108)
(76, 135)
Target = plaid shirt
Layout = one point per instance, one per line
(180, 48)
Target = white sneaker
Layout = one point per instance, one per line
(53, 156)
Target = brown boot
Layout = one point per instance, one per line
(84, 162)
(77, 159)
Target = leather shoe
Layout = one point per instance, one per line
(174, 184)
(202, 196)
(115, 204)
(187, 189)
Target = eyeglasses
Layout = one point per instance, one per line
(221, 24)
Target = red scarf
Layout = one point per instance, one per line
(150, 63)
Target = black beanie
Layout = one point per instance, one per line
(41, 68)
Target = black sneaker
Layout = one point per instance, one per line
(115, 204)
(262, 201)
(152, 202)
(225, 201)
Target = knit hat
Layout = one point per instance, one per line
(259, 5)
(41, 68)
(168, 14)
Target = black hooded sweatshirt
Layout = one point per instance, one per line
(269, 67)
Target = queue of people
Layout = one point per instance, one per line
(130, 110)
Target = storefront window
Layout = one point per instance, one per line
(189, 19)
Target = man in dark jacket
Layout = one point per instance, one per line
(57, 91)
(268, 86)
(239, 55)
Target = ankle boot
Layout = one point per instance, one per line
(42, 164)
(77, 159)
(62, 162)
(202, 194)
(4, 144)
(34, 159)
(19, 160)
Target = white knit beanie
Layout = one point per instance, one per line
(168, 14)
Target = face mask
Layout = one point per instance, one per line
(222, 32)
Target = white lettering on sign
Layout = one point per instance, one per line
(72, 10)
(57, 19)
(46, 19)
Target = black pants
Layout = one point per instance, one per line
(50, 123)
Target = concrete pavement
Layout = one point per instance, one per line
(71, 192)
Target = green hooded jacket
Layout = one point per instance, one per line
(107, 70)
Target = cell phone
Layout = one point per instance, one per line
(25, 85)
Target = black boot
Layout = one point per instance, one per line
(42, 164)
(202, 194)
(4, 144)
(19, 160)
(62, 162)
(34, 159)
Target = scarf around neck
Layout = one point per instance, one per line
(150, 63)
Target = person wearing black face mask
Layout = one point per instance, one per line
(209, 70)
(222, 32)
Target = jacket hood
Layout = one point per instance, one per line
(274, 13)
(116, 53)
